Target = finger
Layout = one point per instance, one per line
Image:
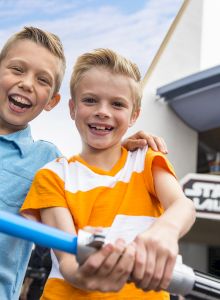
(149, 271)
(159, 271)
(155, 142)
(167, 275)
(134, 144)
(96, 260)
(140, 140)
(140, 263)
(161, 145)
(165, 146)
(125, 264)
(110, 261)
(152, 142)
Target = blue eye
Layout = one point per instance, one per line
(89, 100)
(44, 80)
(118, 104)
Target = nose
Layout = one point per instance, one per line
(26, 83)
(103, 111)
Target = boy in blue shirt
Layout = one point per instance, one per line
(32, 66)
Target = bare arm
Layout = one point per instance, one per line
(105, 270)
(158, 246)
(140, 139)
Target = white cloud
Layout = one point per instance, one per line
(136, 35)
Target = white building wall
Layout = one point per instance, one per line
(192, 45)
(179, 58)
(210, 46)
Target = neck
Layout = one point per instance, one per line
(4, 130)
(104, 159)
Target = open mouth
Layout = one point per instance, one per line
(19, 101)
(102, 128)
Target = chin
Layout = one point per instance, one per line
(99, 146)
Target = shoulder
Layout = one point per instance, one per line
(152, 155)
(57, 167)
(46, 150)
(158, 159)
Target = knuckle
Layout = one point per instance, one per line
(131, 256)
(139, 261)
(149, 271)
(156, 278)
(154, 242)
(92, 265)
(172, 256)
(107, 266)
(139, 239)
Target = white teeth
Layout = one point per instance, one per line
(20, 99)
(99, 127)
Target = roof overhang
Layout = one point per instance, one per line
(195, 99)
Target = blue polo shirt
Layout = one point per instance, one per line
(20, 158)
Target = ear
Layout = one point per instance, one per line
(52, 102)
(72, 109)
(134, 117)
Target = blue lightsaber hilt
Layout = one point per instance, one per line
(82, 245)
(38, 233)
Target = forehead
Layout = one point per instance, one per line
(33, 55)
(102, 76)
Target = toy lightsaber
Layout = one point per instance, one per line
(185, 281)
(82, 245)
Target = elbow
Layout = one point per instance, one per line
(192, 210)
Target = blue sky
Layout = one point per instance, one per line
(134, 28)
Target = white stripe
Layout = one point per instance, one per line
(78, 177)
(123, 226)
(55, 273)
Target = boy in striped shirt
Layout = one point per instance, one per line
(106, 182)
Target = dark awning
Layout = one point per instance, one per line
(196, 99)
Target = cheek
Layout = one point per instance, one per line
(45, 90)
(124, 121)
(79, 116)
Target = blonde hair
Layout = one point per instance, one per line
(111, 60)
(43, 38)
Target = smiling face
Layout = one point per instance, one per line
(27, 83)
(103, 108)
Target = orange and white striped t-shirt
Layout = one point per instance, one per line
(95, 198)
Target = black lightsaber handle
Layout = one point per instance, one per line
(194, 285)
(206, 287)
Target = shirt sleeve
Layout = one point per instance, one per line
(47, 190)
(156, 159)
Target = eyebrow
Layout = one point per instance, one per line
(40, 71)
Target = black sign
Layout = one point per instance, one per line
(204, 191)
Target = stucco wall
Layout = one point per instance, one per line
(179, 58)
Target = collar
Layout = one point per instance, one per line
(22, 139)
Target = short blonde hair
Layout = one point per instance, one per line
(43, 38)
(111, 60)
